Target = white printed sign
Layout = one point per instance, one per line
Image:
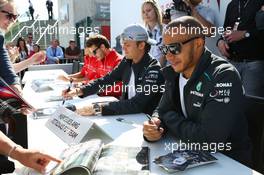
(73, 129)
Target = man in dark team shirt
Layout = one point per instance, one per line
(243, 43)
(139, 72)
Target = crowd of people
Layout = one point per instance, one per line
(190, 92)
(55, 54)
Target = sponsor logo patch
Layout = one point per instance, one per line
(199, 86)
(196, 93)
(220, 93)
(223, 85)
(222, 100)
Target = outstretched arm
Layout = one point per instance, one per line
(30, 158)
(35, 59)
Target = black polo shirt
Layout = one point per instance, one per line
(247, 48)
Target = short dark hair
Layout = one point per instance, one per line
(71, 41)
(36, 45)
(147, 46)
(98, 40)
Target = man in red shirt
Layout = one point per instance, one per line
(100, 60)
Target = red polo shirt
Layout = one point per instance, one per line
(94, 68)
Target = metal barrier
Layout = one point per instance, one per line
(68, 68)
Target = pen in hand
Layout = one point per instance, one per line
(68, 90)
(149, 118)
(151, 121)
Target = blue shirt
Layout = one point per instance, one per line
(54, 55)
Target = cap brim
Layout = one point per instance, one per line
(152, 41)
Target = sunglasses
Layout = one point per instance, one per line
(10, 16)
(175, 48)
(94, 51)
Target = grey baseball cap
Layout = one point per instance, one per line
(137, 32)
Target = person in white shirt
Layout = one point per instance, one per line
(30, 43)
(151, 15)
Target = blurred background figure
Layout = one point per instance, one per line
(72, 52)
(31, 10)
(22, 48)
(49, 5)
(30, 43)
(36, 48)
(196, 9)
(152, 17)
(54, 53)
(166, 17)
(118, 46)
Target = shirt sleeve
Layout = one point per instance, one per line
(210, 17)
(60, 54)
(207, 13)
(50, 55)
(151, 88)
(67, 51)
(6, 71)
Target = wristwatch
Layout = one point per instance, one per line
(97, 108)
(247, 35)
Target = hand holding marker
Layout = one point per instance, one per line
(152, 122)
(131, 122)
(68, 90)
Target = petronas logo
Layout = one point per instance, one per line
(199, 86)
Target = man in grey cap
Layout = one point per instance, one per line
(143, 82)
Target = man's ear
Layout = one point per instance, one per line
(102, 47)
(199, 43)
(141, 45)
